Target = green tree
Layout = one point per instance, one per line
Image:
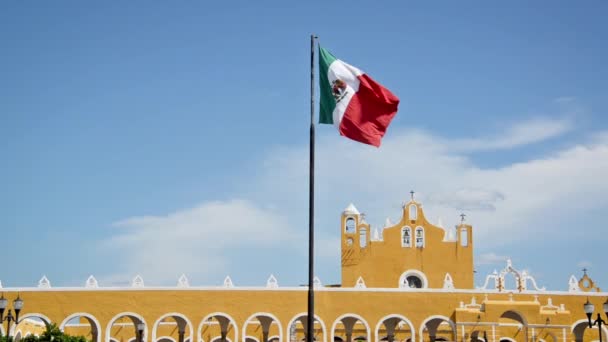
(52, 334)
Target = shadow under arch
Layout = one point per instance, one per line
(135, 319)
(47, 321)
(225, 322)
(432, 323)
(517, 317)
(391, 322)
(265, 320)
(578, 329)
(302, 319)
(93, 322)
(347, 321)
(181, 321)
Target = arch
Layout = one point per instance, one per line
(18, 336)
(516, 316)
(441, 319)
(383, 319)
(413, 212)
(506, 339)
(358, 317)
(363, 237)
(250, 339)
(95, 325)
(231, 321)
(406, 236)
(135, 318)
(419, 237)
(317, 318)
(47, 321)
(578, 329)
(267, 314)
(172, 315)
(274, 338)
(350, 225)
(404, 275)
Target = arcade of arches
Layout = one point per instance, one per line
(411, 282)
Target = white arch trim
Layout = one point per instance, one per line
(171, 314)
(2, 329)
(44, 318)
(90, 317)
(199, 331)
(270, 338)
(251, 338)
(305, 314)
(339, 319)
(381, 321)
(404, 275)
(506, 338)
(126, 313)
(267, 314)
(585, 322)
(443, 318)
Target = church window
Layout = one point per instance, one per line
(363, 238)
(413, 212)
(419, 237)
(350, 225)
(406, 237)
(464, 237)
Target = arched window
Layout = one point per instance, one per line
(350, 225)
(413, 212)
(363, 238)
(413, 282)
(464, 237)
(413, 279)
(419, 237)
(406, 237)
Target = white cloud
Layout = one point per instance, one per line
(584, 264)
(520, 134)
(491, 259)
(196, 240)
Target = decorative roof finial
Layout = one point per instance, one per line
(584, 271)
(462, 216)
(412, 194)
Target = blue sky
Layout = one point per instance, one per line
(157, 138)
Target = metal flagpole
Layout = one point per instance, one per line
(311, 199)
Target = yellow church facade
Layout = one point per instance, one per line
(412, 282)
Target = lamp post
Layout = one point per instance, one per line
(589, 309)
(140, 331)
(17, 305)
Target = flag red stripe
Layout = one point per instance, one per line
(369, 112)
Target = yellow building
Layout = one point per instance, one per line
(411, 282)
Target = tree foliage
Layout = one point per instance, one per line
(52, 334)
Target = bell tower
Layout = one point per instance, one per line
(355, 236)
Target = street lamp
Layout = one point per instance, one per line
(140, 331)
(17, 305)
(589, 309)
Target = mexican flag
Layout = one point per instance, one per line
(357, 105)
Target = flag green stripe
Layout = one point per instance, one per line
(327, 102)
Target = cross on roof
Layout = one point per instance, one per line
(462, 216)
(585, 271)
(412, 194)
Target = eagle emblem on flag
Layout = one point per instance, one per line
(338, 89)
